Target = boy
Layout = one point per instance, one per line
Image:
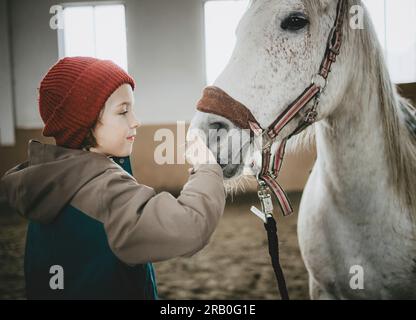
(87, 215)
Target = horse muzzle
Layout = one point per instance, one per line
(225, 123)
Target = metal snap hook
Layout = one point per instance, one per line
(320, 81)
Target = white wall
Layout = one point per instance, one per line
(34, 50)
(166, 56)
(165, 52)
(6, 94)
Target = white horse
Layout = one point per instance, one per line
(359, 205)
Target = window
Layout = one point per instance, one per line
(395, 25)
(221, 20)
(394, 21)
(94, 30)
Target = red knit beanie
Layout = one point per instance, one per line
(72, 94)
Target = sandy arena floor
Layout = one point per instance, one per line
(235, 265)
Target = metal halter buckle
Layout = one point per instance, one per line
(266, 203)
(333, 44)
(265, 198)
(312, 114)
(322, 83)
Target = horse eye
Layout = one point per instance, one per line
(294, 22)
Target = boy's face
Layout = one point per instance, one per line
(116, 130)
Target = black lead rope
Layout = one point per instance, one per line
(273, 240)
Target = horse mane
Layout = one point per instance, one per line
(397, 115)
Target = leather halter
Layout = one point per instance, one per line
(216, 101)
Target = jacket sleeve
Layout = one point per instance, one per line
(142, 226)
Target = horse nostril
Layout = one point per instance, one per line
(222, 165)
(218, 126)
(217, 131)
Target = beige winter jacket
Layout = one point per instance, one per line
(141, 226)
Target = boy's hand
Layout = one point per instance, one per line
(197, 152)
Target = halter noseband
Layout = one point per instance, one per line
(216, 101)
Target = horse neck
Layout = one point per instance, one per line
(352, 154)
(366, 150)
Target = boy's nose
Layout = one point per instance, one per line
(135, 124)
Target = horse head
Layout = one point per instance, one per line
(279, 50)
